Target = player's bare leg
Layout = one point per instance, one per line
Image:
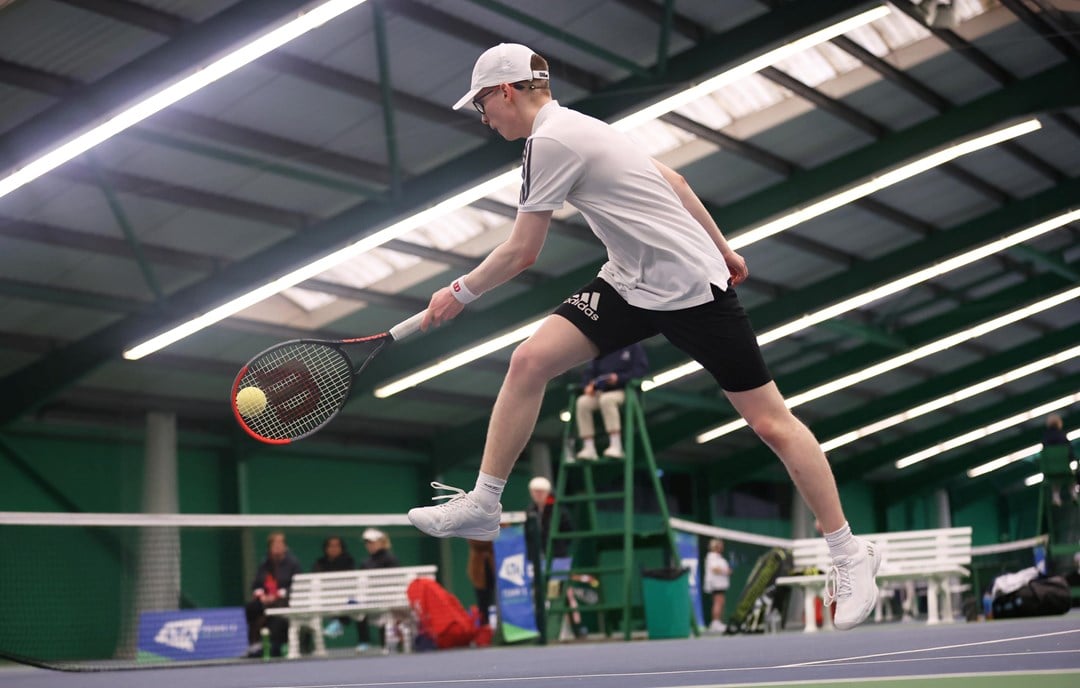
(554, 348)
(557, 346)
(851, 581)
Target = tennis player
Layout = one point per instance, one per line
(669, 271)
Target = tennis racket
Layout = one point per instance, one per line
(293, 389)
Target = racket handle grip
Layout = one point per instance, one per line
(407, 327)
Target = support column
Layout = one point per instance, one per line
(157, 572)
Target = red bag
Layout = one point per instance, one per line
(440, 614)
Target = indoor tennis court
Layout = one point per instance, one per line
(225, 225)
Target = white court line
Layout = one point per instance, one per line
(881, 679)
(1026, 653)
(930, 649)
(683, 672)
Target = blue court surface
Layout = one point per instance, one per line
(998, 653)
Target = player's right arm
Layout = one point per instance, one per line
(507, 260)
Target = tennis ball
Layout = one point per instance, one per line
(250, 401)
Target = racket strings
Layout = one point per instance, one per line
(305, 385)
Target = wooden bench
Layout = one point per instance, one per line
(355, 594)
(933, 556)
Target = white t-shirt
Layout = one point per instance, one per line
(716, 582)
(659, 257)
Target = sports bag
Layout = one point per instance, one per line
(759, 595)
(1040, 597)
(439, 614)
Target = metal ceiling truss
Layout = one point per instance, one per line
(45, 377)
(1036, 94)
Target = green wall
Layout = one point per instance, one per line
(81, 580)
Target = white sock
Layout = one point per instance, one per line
(615, 441)
(841, 542)
(588, 443)
(488, 490)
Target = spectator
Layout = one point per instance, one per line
(538, 520)
(604, 380)
(1055, 436)
(335, 558)
(481, 569)
(717, 581)
(380, 556)
(271, 589)
(538, 532)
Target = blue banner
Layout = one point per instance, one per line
(688, 556)
(513, 584)
(189, 634)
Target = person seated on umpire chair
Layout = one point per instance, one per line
(604, 380)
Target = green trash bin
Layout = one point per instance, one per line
(667, 602)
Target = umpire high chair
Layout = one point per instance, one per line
(610, 549)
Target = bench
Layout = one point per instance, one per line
(354, 594)
(933, 556)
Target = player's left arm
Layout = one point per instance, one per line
(736, 264)
(508, 259)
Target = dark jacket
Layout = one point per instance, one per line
(382, 559)
(282, 572)
(538, 529)
(1055, 437)
(343, 562)
(627, 364)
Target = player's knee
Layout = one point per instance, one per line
(772, 429)
(527, 365)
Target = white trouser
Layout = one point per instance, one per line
(607, 403)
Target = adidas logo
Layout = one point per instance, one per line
(587, 302)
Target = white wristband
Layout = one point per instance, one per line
(461, 292)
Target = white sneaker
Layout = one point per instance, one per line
(587, 454)
(460, 516)
(716, 627)
(851, 584)
(614, 453)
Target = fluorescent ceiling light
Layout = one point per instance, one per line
(986, 431)
(906, 358)
(950, 399)
(483, 189)
(457, 360)
(885, 180)
(272, 40)
(319, 266)
(748, 68)
(991, 466)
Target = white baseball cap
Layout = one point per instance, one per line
(506, 63)
(540, 483)
(374, 535)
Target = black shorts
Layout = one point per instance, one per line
(717, 334)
